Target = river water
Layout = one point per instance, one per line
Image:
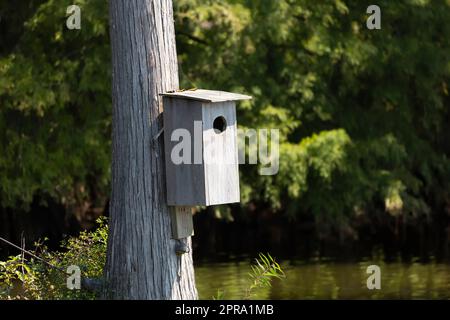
(324, 279)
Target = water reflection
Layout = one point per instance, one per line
(330, 280)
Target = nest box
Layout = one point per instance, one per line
(201, 149)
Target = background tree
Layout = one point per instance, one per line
(364, 113)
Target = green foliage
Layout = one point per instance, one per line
(363, 115)
(22, 277)
(55, 114)
(13, 271)
(264, 270)
(220, 295)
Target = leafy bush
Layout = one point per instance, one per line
(22, 277)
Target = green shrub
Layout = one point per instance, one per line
(22, 277)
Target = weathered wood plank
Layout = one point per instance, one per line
(208, 95)
(220, 155)
(182, 222)
(184, 182)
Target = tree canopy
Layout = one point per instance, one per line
(363, 114)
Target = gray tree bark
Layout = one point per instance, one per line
(141, 259)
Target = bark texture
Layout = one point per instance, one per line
(141, 261)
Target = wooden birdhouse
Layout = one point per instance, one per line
(203, 170)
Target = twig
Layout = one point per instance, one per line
(155, 138)
(22, 243)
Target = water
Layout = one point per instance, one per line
(326, 279)
(329, 280)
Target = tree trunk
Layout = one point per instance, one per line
(141, 258)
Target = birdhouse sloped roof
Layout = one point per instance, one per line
(207, 95)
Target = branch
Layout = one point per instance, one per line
(193, 38)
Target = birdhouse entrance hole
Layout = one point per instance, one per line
(219, 124)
